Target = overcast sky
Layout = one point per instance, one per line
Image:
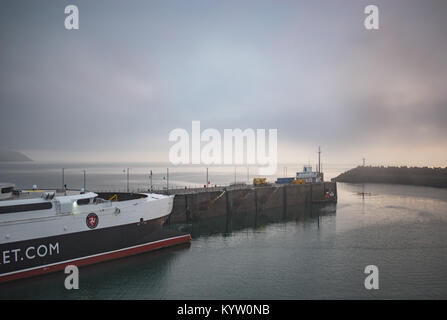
(135, 70)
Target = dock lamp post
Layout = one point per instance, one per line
(167, 180)
(234, 175)
(64, 186)
(127, 178)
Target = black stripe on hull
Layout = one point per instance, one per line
(29, 254)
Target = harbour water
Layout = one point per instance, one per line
(314, 252)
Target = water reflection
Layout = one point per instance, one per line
(227, 225)
(134, 277)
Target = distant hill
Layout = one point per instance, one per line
(12, 156)
(433, 177)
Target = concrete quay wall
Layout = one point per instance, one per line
(194, 205)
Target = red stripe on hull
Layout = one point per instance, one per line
(98, 258)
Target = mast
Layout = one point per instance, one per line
(319, 159)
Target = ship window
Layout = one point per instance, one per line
(7, 190)
(99, 200)
(81, 202)
(26, 207)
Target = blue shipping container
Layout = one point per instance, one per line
(284, 180)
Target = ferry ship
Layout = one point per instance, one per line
(43, 231)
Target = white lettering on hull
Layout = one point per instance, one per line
(30, 253)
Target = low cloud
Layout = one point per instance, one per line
(117, 87)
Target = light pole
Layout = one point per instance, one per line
(63, 181)
(206, 185)
(127, 179)
(234, 175)
(151, 180)
(319, 163)
(84, 179)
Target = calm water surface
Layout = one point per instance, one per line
(311, 253)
